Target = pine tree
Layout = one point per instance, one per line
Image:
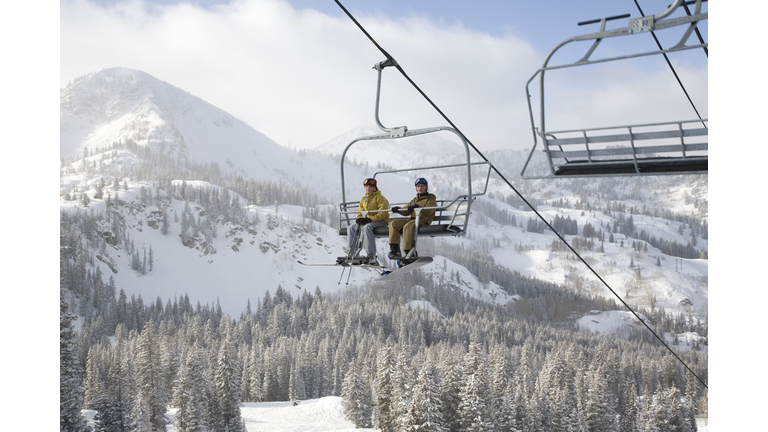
(598, 414)
(450, 388)
(425, 414)
(297, 387)
(656, 414)
(190, 395)
(629, 416)
(93, 379)
(473, 408)
(384, 413)
(356, 396)
(254, 374)
(149, 410)
(691, 390)
(114, 406)
(505, 412)
(71, 391)
(402, 386)
(228, 387)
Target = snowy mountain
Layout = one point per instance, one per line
(182, 198)
(124, 105)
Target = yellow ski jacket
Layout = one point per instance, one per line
(374, 201)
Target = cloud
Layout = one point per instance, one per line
(303, 77)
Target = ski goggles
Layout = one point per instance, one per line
(370, 181)
(421, 180)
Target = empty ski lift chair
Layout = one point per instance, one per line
(676, 147)
(451, 215)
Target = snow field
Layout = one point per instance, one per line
(313, 415)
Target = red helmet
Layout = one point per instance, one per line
(370, 181)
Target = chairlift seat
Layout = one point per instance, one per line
(677, 148)
(627, 166)
(440, 226)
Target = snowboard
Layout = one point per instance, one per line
(389, 275)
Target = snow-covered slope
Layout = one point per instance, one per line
(321, 415)
(240, 263)
(324, 414)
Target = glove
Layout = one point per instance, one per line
(411, 207)
(395, 209)
(363, 221)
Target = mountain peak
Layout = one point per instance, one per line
(126, 105)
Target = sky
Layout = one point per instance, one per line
(301, 72)
(48, 43)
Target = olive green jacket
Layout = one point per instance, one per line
(422, 200)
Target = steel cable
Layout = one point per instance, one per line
(405, 75)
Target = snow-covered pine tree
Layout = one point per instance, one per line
(473, 408)
(228, 387)
(450, 387)
(297, 388)
(597, 411)
(426, 413)
(356, 396)
(152, 400)
(190, 395)
(93, 377)
(115, 405)
(402, 385)
(499, 377)
(254, 374)
(628, 420)
(384, 416)
(504, 420)
(70, 375)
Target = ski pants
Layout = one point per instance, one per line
(407, 227)
(369, 240)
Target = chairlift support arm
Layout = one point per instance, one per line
(463, 202)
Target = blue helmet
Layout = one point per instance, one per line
(421, 180)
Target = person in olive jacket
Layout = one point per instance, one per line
(407, 226)
(372, 200)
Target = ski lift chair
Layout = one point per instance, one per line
(676, 147)
(451, 215)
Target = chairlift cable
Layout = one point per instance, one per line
(405, 75)
(698, 33)
(669, 63)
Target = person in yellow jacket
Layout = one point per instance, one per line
(408, 226)
(372, 200)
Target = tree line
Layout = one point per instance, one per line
(398, 368)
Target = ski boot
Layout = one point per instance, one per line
(394, 252)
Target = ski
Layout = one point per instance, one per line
(389, 275)
(342, 265)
